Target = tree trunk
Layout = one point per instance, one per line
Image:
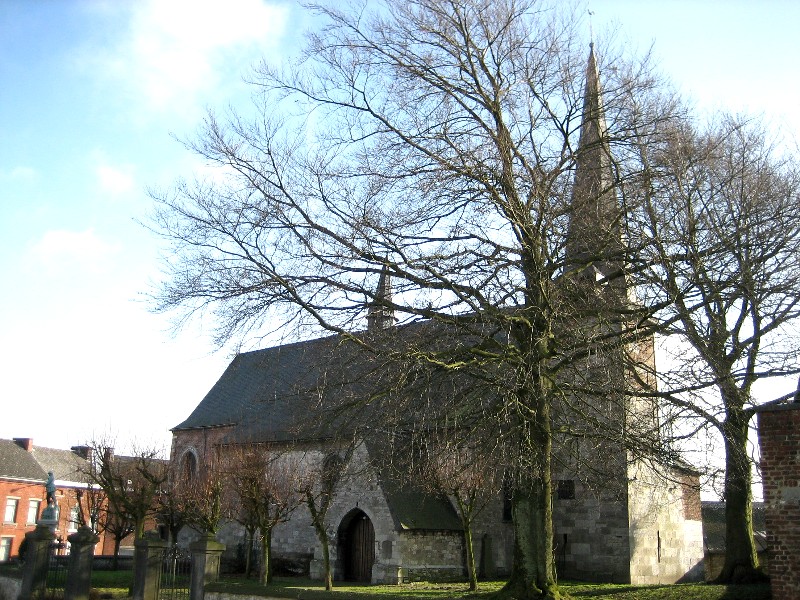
(266, 557)
(326, 556)
(465, 512)
(533, 571)
(741, 560)
(472, 575)
(533, 574)
(318, 520)
(248, 547)
(115, 561)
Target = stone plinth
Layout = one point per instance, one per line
(206, 553)
(37, 556)
(81, 556)
(148, 556)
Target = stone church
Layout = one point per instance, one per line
(640, 528)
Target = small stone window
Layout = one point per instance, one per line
(189, 466)
(565, 489)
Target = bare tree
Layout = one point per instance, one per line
(120, 525)
(318, 487)
(239, 511)
(721, 227)
(433, 143)
(173, 507)
(130, 485)
(91, 502)
(457, 471)
(266, 484)
(203, 499)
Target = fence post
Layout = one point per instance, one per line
(206, 553)
(81, 557)
(37, 558)
(148, 556)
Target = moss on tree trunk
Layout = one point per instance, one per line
(741, 560)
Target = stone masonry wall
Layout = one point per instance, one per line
(399, 555)
(493, 541)
(779, 439)
(666, 533)
(590, 535)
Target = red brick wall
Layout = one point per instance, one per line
(779, 439)
(25, 492)
(201, 442)
(690, 484)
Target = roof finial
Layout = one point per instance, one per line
(591, 31)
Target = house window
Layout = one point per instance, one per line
(5, 548)
(10, 516)
(33, 511)
(565, 489)
(74, 518)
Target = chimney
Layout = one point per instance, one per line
(24, 443)
(85, 452)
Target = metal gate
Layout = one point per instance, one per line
(56, 579)
(176, 568)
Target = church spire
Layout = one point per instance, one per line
(379, 314)
(594, 212)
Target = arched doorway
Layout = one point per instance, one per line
(357, 546)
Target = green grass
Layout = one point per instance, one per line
(116, 584)
(111, 584)
(311, 590)
(112, 579)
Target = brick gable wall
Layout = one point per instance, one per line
(779, 439)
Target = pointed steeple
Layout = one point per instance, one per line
(379, 314)
(594, 216)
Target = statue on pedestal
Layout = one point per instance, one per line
(50, 488)
(50, 513)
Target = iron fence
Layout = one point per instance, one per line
(176, 568)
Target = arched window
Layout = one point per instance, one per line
(188, 466)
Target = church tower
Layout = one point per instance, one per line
(379, 313)
(651, 514)
(594, 241)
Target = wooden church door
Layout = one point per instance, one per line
(359, 549)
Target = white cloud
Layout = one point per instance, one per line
(63, 251)
(115, 180)
(176, 49)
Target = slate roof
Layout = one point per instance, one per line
(18, 463)
(65, 464)
(415, 509)
(713, 514)
(264, 392)
(267, 396)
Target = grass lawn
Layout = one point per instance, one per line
(311, 590)
(116, 584)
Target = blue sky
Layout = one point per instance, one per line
(92, 94)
